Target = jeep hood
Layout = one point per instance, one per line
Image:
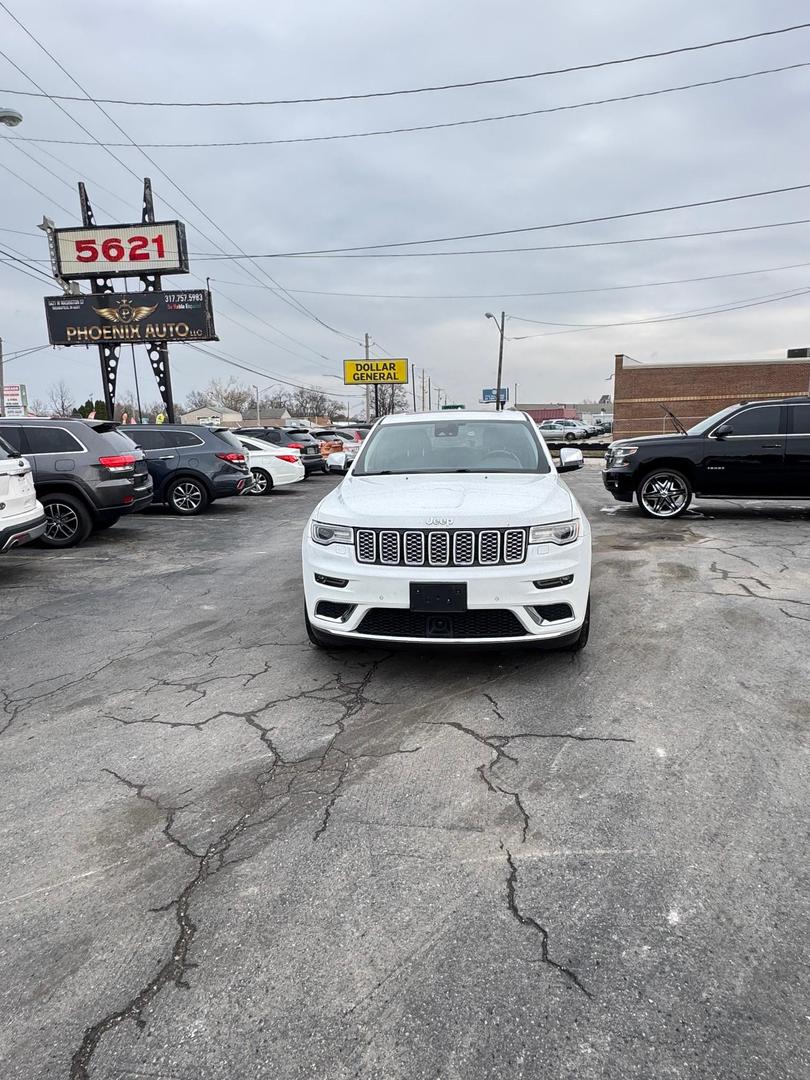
(471, 500)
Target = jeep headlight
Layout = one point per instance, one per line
(561, 532)
(322, 533)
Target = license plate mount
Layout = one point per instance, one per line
(438, 599)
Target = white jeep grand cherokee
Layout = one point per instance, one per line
(450, 530)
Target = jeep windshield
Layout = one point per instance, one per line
(457, 446)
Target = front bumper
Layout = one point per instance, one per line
(619, 482)
(489, 588)
(22, 532)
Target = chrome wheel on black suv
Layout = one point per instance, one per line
(665, 493)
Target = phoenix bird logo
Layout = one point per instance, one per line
(126, 313)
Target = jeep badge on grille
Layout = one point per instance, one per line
(442, 523)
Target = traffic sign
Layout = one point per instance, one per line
(363, 372)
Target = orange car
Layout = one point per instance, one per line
(328, 445)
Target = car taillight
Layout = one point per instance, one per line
(233, 456)
(296, 446)
(288, 457)
(118, 462)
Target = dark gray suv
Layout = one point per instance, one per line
(191, 464)
(87, 474)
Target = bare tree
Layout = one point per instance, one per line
(231, 395)
(60, 401)
(38, 407)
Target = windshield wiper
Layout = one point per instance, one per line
(674, 419)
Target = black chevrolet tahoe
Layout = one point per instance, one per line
(752, 450)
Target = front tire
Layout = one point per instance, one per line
(262, 482)
(187, 497)
(68, 521)
(664, 493)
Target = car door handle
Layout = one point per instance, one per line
(165, 457)
(771, 446)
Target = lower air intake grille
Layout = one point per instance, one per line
(398, 622)
(554, 612)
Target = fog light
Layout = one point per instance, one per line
(546, 613)
(333, 582)
(553, 582)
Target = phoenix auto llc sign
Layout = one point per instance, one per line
(96, 318)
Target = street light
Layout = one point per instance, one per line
(255, 387)
(501, 325)
(10, 117)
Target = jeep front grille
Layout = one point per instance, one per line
(441, 547)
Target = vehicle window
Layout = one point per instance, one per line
(799, 419)
(764, 420)
(229, 438)
(51, 440)
(439, 446)
(181, 438)
(702, 426)
(118, 442)
(13, 437)
(249, 443)
(147, 438)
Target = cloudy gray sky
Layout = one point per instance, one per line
(609, 159)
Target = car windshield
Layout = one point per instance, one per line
(444, 446)
(706, 425)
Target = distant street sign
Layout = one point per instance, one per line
(135, 318)
(359, 372)
(488, 396)
(121, 250)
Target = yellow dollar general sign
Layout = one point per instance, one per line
(374, 371)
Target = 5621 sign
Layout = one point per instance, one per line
(122, 250)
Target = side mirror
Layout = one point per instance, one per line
(723, 430)
(570, 459)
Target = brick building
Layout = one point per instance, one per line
(694, 391)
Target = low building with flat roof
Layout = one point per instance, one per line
(694, 391)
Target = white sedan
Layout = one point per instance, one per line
(271, 466)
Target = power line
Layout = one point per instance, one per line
(28, 184)
(550, 292)
(225, 359)
(19, 264)
(544, 247)
(426, 127)
(435, 88)
(536, 228)
(677, 317)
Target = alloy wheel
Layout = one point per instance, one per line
(187, 497)
(259, 482)
(62, 521)
(664, 494)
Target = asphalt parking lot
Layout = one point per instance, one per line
(229, 855)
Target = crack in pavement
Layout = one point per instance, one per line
(212, 859)
(533, 924)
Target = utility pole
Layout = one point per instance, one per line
(423, 391)
(430, 396)
(2, 383)
(515, 398)
(413, 384)
(498, 403)
(368, 386)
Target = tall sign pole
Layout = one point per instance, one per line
(157, 351)
(107, 352)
